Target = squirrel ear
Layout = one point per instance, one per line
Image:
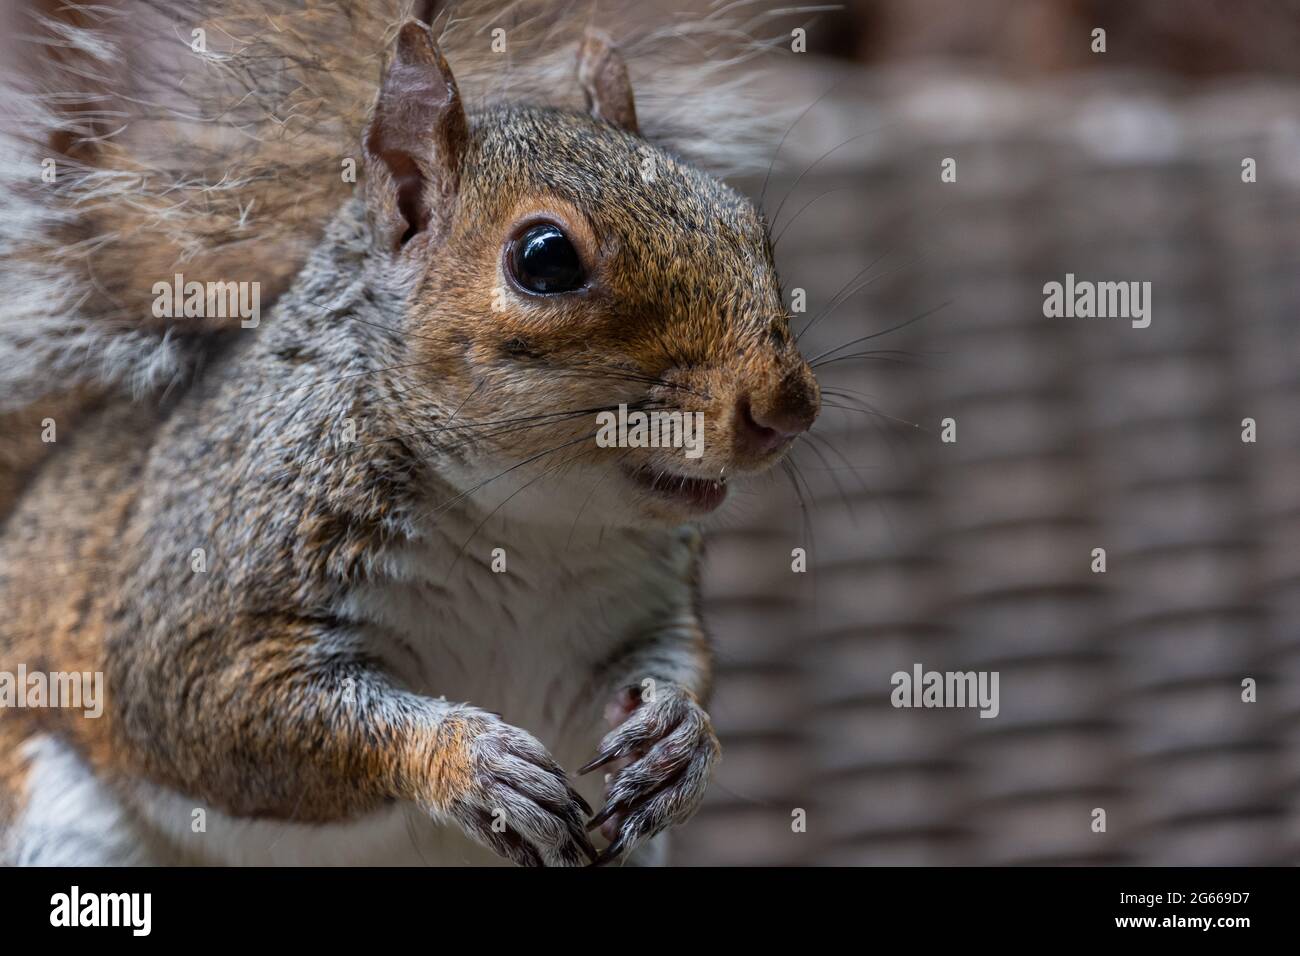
(602, 74)
(417, 135)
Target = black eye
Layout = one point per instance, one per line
(544, 260)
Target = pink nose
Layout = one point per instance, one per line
(762, 434)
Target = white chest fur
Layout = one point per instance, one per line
(523, 633)
(523, 621)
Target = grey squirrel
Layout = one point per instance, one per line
(360, 582)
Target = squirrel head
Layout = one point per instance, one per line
(581, 307)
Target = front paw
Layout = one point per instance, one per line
(670, 747)
(514, 798)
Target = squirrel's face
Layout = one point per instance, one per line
(602, 324)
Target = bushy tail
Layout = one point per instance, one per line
(215, 139)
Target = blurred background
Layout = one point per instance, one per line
(923, 299)
(1119, 690)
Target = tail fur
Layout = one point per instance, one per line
(213, 139)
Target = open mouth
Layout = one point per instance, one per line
(698, 494)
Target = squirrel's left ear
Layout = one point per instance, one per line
(602, 74)
(415, 141)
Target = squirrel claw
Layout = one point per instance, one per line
(578, 799)
(672, 748)
(598, 761)
(519, 802)
(607, 811)
(610, 853)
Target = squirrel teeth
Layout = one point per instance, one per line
(697, 494)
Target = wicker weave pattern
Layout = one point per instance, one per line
(1119, 690)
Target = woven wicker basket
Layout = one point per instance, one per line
(1119, 690)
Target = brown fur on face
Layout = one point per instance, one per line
(682, 307)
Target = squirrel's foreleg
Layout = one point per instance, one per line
(661, 752)
(305, 730)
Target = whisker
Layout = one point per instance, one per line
(831, 447)
(591, 494)
(868, 408)
(834, 478)
(533, 421)
(845, 293)
(789, 129)
(873, 356)
(821, 159)
(628, 375)
(776, 240)
(526, 461)
(874, 335)
(792, 472)
(502, 504)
